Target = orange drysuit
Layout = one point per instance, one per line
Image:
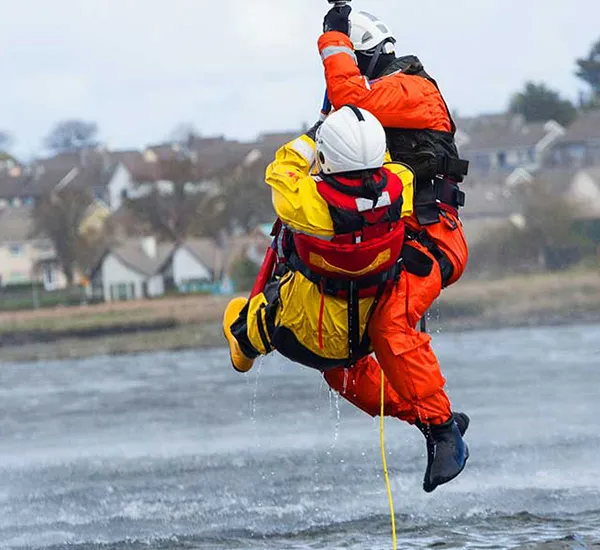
(418, 125)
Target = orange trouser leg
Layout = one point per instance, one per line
(405, 354)
(361, 386)
(450, 237)
(414, 387)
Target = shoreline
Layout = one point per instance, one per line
(209, 335)
(194, 322)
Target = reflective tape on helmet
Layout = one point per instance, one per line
(334, 50)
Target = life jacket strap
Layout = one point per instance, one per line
(335, 287)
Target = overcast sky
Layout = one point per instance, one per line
(242, 67)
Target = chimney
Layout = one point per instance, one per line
(149, 246)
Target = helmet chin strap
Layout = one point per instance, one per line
(377, 51)
(374, 59)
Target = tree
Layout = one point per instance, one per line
(58, 216)
(71, 135)
(184, 133)
(538, 103)
(5, 143)
(545, 239)
(248, 199)
(589, 71)
(183, 204)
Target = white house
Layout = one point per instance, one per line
(131, 270)
(193, 265)
(23, 258)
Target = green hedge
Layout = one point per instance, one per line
(12, 300)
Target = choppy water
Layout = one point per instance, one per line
(177, 451)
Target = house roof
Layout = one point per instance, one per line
(489, 199)
(16, 224)
(206, 251)
(586, 127)
(243, 246)
(42, 178)
(131, 253)
(490, 132)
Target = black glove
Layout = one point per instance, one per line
(312, 132)
(337, 19)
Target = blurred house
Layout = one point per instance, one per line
(504, 142)
(580, 145)
(23, 258)
(143, 268)
(109, 182)
(195, 265)
(252, 247)
(130, 270)
(491, 204)
(508, 154)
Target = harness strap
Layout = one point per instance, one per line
(456, 169)
(262, 329)
(353, 322)
(442, 193)
(334, 287)
(363, 348)
(446, 267)
(449, 193)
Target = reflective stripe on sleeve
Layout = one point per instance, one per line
(333, 50)
(303, 148)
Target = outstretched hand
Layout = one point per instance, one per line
(338, 19)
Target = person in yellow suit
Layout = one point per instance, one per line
(349, 286)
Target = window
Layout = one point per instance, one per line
(481, 161)
(17, 277)
(502, 159)
(577, 152)
(49, 276)
(120, 291)
(16, 249)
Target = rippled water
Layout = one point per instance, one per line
(178, 451)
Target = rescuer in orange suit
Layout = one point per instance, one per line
(350, 285)
(361, 67)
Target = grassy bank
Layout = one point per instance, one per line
(549, 298)
(552, 298)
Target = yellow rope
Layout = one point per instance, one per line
(385, 470)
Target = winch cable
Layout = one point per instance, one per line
(383, 460)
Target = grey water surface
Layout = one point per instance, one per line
(177, 451)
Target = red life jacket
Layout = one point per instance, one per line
(369, 232)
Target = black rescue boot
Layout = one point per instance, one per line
(447, 452)
(462, 421)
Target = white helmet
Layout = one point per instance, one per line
(367, 32)
(350, 139)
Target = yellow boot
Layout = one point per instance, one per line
(239, 361)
